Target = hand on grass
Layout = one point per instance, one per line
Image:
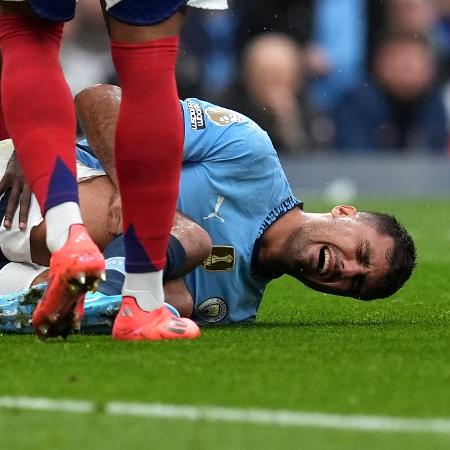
(20, 195)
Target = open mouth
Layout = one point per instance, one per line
(324, 261)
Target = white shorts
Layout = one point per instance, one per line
(15, 277)
(14, 243)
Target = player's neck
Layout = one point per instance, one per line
(271, 249)
(271, 258)
(277, 233)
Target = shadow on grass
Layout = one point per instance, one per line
(388, 323)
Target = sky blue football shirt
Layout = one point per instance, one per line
(232, 184)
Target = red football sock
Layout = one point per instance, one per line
(38, 107)
(148, 148)
(3, 131)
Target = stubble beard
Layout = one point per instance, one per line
(296, 247)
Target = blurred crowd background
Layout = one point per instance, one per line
(356, 76)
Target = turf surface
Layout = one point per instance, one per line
(307, 352)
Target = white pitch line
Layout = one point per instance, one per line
(237, 415)
(281, 418)
(46, 404)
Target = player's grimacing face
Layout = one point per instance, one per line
(342, 256)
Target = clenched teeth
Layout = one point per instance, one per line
(324, 269)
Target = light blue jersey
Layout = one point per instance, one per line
(232, 185)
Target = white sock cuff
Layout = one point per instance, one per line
(58, 221)
(146, 288)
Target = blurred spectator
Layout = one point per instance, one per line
(85, 53)
(442, 42)
(212, 42)
(206, 61)
(291, 17)
(272, 92)
(441, 39)
(399, 107)
(333, 35)
(430, 18)
(411, 16)
(340, 37)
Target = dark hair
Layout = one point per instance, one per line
(402, 259)
(397, 37)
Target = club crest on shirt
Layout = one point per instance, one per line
(221, 259)
(212, 310)
(196, 115)
(223, 117)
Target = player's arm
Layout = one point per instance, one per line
(20, 194)
(176, 294)
(194, 240)
(98, 109)
(189, 246)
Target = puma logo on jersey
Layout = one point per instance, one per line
(215, 213)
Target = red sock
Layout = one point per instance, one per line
(38, 107)
(149, 140)
(3, 131)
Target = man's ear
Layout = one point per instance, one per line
(343, 211)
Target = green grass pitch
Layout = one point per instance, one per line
(307, 352)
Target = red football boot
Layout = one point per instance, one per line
(134, 324)
(74, 269)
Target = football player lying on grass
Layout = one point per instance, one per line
(233, 186)
(189, 245)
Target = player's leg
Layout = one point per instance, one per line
(38, 106)
(40, 118)
(3, 131)
(148, 146)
